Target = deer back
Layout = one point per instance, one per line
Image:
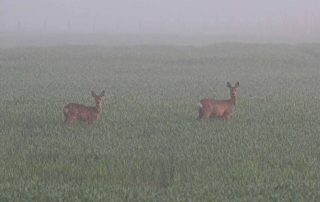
(217, 107)
(81, 112)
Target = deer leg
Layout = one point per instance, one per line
(91, 119)
(200, 114)
(66, 120)
(227, 116)
(69, 120)
(90, 122)
(207, 115)
(212, 115)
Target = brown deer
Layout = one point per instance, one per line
(209, 108)
(74, 112)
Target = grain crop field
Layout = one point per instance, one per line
(148, 145)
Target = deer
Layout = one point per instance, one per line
(209, 108)
(74, 112)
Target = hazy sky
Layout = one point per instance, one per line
(212, 17)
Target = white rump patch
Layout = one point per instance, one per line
(200, 105)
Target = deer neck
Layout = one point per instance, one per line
(99, 107)
(233, 100)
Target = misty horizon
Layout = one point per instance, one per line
(291, 19)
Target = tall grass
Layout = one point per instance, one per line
(148, 145)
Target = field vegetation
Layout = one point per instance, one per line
(148, 145)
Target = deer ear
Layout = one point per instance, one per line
(102, 93)
(237, 84)
(229, 85)
(93, 93)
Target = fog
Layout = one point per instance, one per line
(286, 19)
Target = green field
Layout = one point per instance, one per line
(148, 146)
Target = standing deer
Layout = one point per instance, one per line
(209, 108)
(74, 112)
